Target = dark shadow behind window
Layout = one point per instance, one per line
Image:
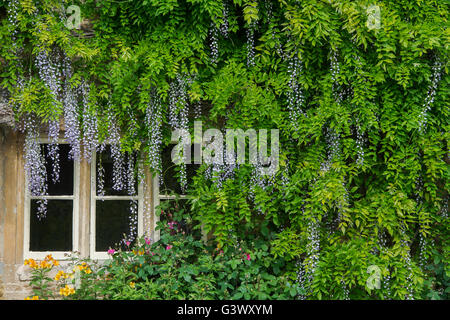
(112, 224)
(65, 185)
(170, 181)
(54, 232)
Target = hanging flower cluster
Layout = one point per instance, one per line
(178, 114)
(100, 177)
(295, 96)
(313, 252)
(153, 119)
(90, 129)
(214, 43)
(72, 131)
(332, 139)
(407, 260)
(335, 70)
(444, 209)
(216, 171)
(50, 74)
(178, 101)
(133, 218)
(436, 77)
(224, 25)
(250, 32)
(360, 138)
(35, 164)
(301, 278)
(116, 155)
(12, 14)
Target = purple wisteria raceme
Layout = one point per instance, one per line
(50, 73)
(153, 119)
(295, 96)
(250, 33)
(116, 155)
(224, 25)
(436, 77)
(35, 164)
(332, 139)
(12, 14)
(313, 254)
(131, 189)
(406, 255)
(178, 114)
(214, 43)
(335, 70)
(90, 128)
(72, 132)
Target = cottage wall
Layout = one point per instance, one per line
(12, 187)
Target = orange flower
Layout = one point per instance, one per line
(31, 263)
(61, 274)
(45, 265)
(66, 291)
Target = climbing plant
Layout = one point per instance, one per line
(358, 90)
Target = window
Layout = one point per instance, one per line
(115, 215)
(57, 232)
(167, 192)
(101, 225)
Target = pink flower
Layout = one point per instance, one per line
(248, 256)
(168, 247)
(111, 251)
(128, 243)
(147, 241)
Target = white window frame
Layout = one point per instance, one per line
(103, 255)
(59, 255)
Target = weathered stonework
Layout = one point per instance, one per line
(11, 213)
(2, 139)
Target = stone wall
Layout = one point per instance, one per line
(12, 284)
(2, 140)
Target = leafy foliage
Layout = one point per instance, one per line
(366, 162)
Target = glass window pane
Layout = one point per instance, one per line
(53, 232)
(172, 216)
(112, 224)
(171, 184)
(105, 160)
(65, 184)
